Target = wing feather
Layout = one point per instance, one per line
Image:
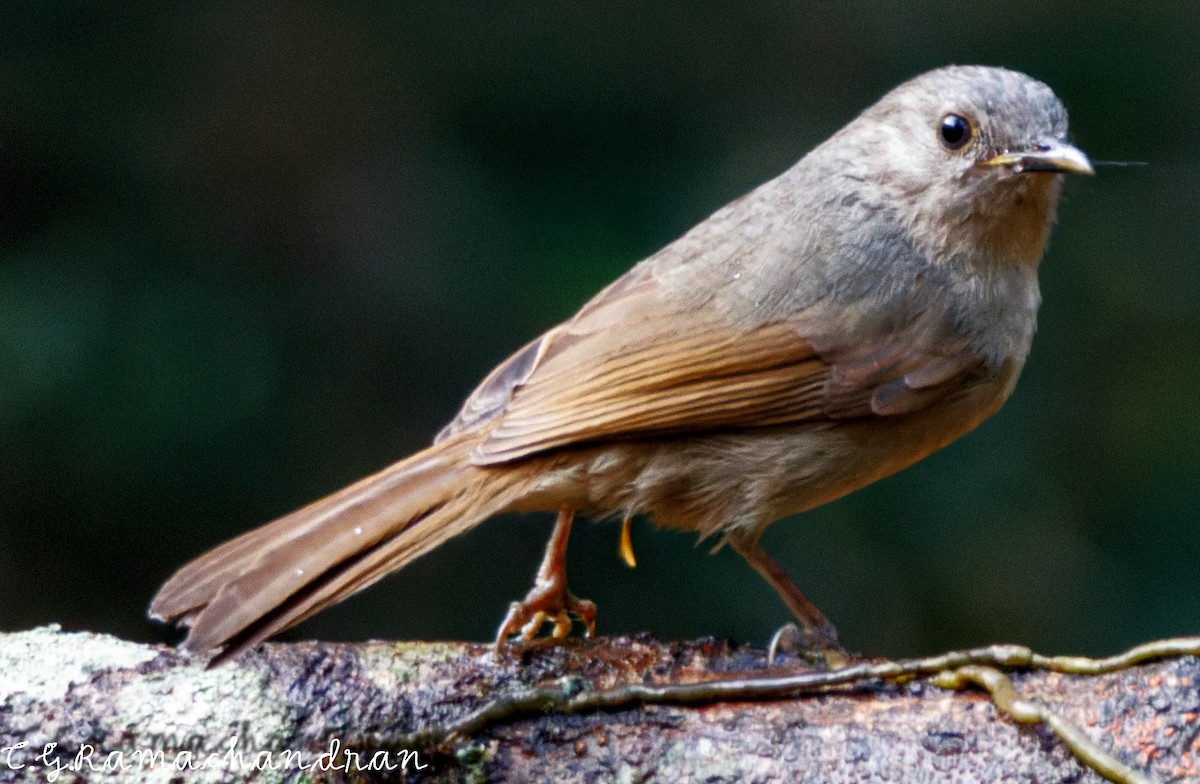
(678, 383)
(624, 368)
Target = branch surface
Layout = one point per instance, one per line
(574, 712)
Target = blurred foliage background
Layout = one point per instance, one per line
(250, 252)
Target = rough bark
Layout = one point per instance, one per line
(79, 690)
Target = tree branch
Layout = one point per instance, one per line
(620, 708)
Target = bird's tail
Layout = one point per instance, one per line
(273, 577)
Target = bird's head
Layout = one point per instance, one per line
(971, 159)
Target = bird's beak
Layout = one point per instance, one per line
(1051, 156)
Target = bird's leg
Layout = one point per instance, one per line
(549, 599)
(815, 633)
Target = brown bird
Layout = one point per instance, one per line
(868, 306)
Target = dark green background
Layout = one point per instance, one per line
(250, 252)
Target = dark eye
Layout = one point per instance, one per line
(955, 131)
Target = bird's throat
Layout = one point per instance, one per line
(1016, 226)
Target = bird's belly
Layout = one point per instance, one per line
(741, 481)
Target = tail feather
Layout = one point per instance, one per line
(273, 577)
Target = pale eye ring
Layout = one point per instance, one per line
(955, 131)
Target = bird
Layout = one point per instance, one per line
(863, 309)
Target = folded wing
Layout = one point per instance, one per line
(625, 369)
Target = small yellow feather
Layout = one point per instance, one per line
(625, 548)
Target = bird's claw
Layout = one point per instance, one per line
(546, 602)
(818, 646)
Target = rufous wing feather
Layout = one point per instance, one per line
(626, 369)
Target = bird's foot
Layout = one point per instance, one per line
(546, 601)
(549, 599)
(817, 646)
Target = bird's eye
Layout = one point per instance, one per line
(955, 131)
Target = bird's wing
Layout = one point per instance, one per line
(631, 364)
